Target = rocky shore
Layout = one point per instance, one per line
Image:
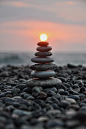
(23, 106)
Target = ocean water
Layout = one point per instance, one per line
(25, 58)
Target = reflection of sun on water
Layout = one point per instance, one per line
(43, 37)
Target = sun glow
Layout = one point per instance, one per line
(43, 37)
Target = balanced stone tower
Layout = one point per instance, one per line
(43, 74)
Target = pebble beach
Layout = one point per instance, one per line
(59, 107)
(42, 85)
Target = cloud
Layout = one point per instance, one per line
(14, 3)
(68, 11)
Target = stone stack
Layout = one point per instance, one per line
(43, 74)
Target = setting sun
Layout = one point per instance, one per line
(43, 37)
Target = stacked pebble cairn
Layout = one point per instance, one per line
(43, 74)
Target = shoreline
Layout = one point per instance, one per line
(23, 107)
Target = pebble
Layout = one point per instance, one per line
(64, 104)
(53, 112)
(42, 43)
(27, 90)
(76, 97)
(74, 106)
(21, 86)
(42, 60)
(43, 54)
(63, 92)
(54, 123)
(43, 67)
(72, 124)
(43, 119)
(60, 86)
(37, 89)
(81, 116)
(42, 74)
(53, 89)
(44, 49)
(21, 112)
(44, 83)
(15, 91)
(42, 95)
(50, 93)
(4, 74)
(70, 100)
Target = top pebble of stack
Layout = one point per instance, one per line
(42, 44)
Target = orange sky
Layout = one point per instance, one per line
(22, 22)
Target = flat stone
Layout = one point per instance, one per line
(43, 82)
(44, 49)
(37, 89)
(52, 124)
(43, 54)
(43, 119)
(42, 95)
(21, 86)
(70, 100)
(4, 74)
(40, 67)
(43, 43)
(64, 104)
(42, 74)
(53, 112)
(21, 112)
(42, 60)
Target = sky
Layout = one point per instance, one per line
(22, 22)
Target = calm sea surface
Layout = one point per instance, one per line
(25, 58)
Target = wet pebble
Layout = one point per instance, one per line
(21, 86)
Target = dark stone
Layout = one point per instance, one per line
(63, 104)
(42, 74)
(42, 95)
(81, 116)
(4, 74)
(21, 86)
(66, 85)
(52, 89)
(15, 90)
(44, 49)
(43, 82)
(62, 79)
(43, 54)
(40, 67)
(74, 106)
(40, 102)
(71, 66)
(21, 112)
(37, 89)
(75, 86)
(63, 93)
(73, 92)
(76, 97)
(9, 108)
(60, 86)
(50, 93)
(27, 90)
(42, 60)
(82, 89)
(53, 124)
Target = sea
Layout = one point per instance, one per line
(25, 58)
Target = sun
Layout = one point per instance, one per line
(43, 37)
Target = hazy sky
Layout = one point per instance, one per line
(64, 21)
